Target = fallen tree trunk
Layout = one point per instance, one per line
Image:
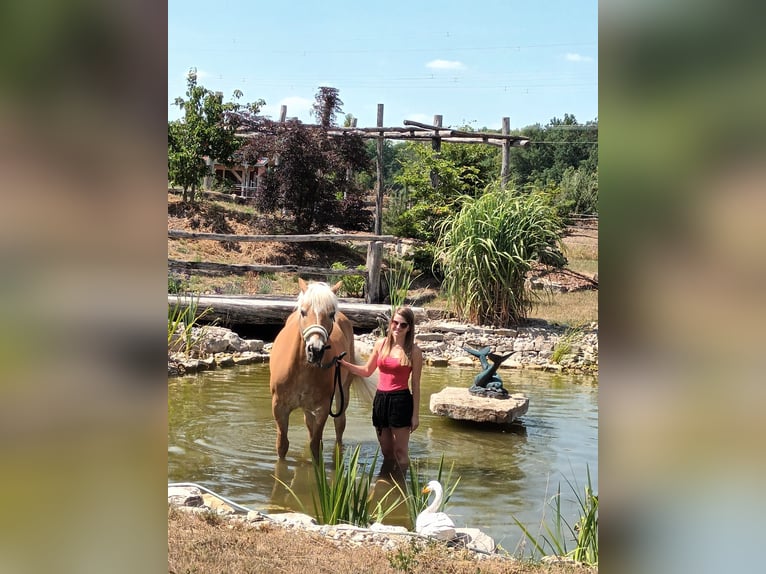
(246, 310)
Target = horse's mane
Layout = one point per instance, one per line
(319, 296)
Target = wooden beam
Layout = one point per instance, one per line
(361, 238)
(208, 268)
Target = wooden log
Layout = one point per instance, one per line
(246, 310)
(208, 268)
(178, 234)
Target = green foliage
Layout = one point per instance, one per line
(183, 317)
(579, 190)
(314, 177)
(405, 560)
(584, 533)
(399, 277)
(554, 149)
(345, 498)
(487, 248)
(206, 130)
(177, 283)
(351, 285)
(425, 262)
(564, 344)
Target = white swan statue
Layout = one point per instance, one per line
(433, 523)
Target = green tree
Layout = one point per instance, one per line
(554, 148)
(206, 131)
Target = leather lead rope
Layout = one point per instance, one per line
(337, 385)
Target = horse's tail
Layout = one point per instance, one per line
(365, 387)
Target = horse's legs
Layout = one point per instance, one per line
(340, 426)
(282, 419)
(315, 426)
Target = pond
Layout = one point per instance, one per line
(221, 435)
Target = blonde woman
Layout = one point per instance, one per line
(397, 399)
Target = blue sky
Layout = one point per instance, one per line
(472, 62)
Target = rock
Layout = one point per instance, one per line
(429, 337)
(185, 496)
(293, 519)
(475, 539)
(457, 403)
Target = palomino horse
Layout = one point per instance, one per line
(302, 373)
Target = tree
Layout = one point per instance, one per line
(206, 130)
(561, 144)
(311, 175)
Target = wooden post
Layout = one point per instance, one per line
(505, 166)
(436, 146)
(374, 261)
(379, 183)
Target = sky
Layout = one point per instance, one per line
(473, 63)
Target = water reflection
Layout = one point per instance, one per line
(221, 435)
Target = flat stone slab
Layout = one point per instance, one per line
(457, 403)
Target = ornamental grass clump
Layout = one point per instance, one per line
(346, 497)
(488, 247)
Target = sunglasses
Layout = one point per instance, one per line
(403, 324)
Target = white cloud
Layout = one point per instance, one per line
(571, 57)
(445, 65)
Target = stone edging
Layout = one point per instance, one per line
(531, 347)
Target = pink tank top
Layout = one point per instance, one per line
(393, 376)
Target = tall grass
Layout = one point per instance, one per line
(346, 498)
(399, 277)
(565, 343)
(487, 248)
(584, 533)
(183, 317)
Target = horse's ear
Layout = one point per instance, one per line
(303, 285)
(337, 286)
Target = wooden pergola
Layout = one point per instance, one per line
(414, 131)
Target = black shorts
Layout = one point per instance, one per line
(392, 409)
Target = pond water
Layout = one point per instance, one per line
(221, 435)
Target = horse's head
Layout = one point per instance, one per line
(317, 305)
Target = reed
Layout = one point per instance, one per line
(345, 499)
(399, 277)
(552, 538)
(183, 317)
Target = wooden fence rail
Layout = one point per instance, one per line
(372, 271)
(178, 234)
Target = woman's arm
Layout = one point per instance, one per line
(367, 369)
(417, 368)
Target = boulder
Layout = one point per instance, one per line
(457, 403)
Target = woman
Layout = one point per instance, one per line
(397, 400)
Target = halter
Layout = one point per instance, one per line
(315, 329)
(318, 329)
